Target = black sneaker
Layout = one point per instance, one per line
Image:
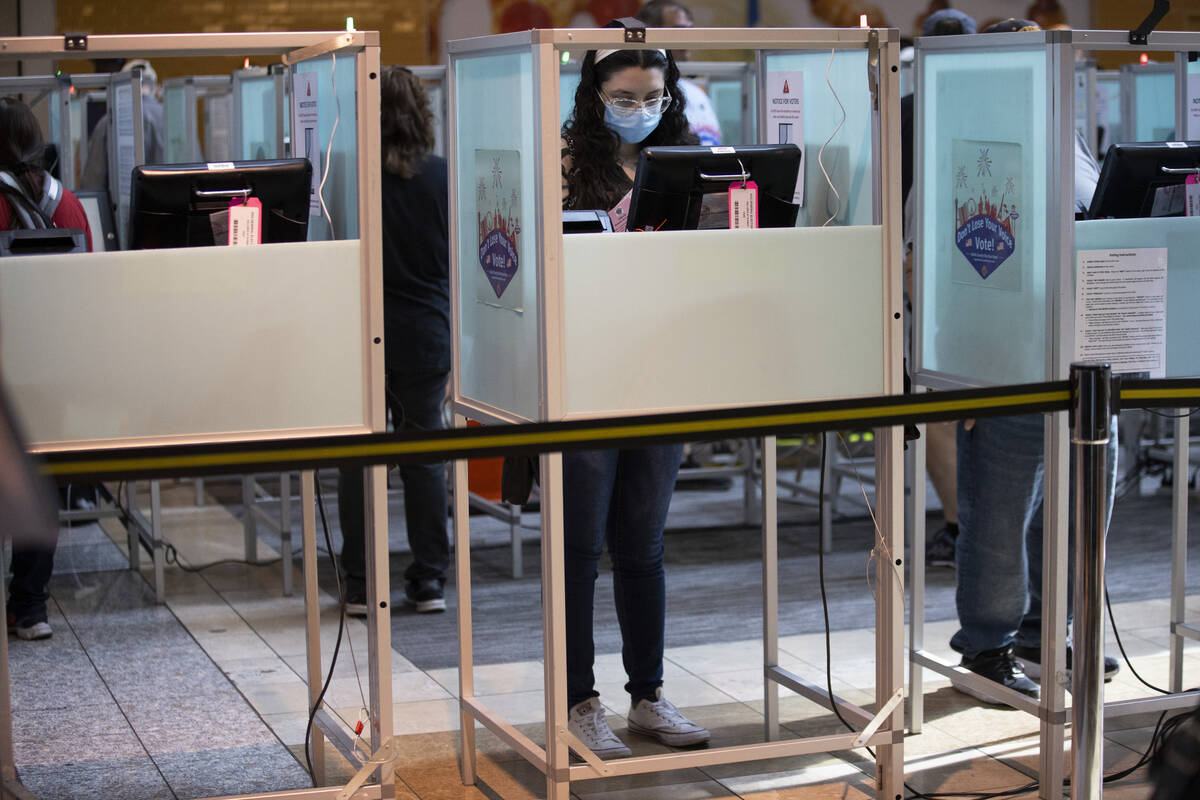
(940, 549)
(1031, 660)
(1001, 666)
(425, 596)
(356, 602)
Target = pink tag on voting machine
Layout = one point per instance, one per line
(1191, 190)
(619, 214)
(743, 205)
(245, 221)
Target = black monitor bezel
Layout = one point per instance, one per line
(1133, 170)
(770, 166)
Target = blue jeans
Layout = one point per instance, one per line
(415, 400)
(999, 546)
(618, 497)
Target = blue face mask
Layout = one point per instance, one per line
(634, 127)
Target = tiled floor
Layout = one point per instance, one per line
(207, 696)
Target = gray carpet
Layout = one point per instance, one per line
(714, 586)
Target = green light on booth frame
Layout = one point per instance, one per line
(349, 23)
(566, 57)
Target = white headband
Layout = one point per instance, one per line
(603, 54)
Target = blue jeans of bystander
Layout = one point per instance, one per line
(999, 548)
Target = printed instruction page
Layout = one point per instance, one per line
(1121, 309)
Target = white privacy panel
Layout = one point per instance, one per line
(680, 320)
(197, 343)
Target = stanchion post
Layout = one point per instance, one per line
(1091, 416)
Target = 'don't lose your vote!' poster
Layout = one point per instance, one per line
(498, 211)
(988, 232)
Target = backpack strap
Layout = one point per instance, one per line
(26, 213)
(52, 195)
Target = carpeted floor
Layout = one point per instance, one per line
(714, 586)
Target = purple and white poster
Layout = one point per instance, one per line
(988, 232)
(498, 211)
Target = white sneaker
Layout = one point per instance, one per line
(660, 720)
(586, 720)
(38, 630)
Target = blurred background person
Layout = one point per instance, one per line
(31, 199)
(95, 168)
(416, 322)
(702, 119)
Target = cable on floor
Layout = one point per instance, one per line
(1161, 730)
(337, 645)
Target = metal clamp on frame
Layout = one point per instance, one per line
(635, 29)
(1141, 34)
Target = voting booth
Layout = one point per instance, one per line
(609, 325)
(185, 102)
(208, 352)
(1010, 288)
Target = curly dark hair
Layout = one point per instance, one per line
(405, 121)
(22, 149)
(595, 179)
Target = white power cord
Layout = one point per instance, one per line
(821, 153)
(329, 150)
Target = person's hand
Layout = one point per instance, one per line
(968, 424)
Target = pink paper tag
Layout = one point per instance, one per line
(619, 214)
(743, 205)
(245, 222)
(1191, 188)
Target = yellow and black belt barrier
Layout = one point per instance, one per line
(491, 441)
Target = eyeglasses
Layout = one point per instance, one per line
(627, 106)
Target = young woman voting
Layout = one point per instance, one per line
(626, 100)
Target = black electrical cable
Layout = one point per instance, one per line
(1167, 415)
(171, 557)
(821, 575)
(1161, 729)
(337, 646)
(1117, 635)
(823, 455)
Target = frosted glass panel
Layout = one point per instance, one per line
(337, 104)
(1108, 111)
(257, 101)
(983, 267)
(175, 116)
(436, 90)
(706, 335)
(735, 119)
(202, 338)
(496, 174)
(568, 82)
(218, 122)
(1153, 105)
(847, 156)
(1181, 237)
(1192, 113)
(1082, 72)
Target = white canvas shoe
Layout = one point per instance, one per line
(660, 720)
(586, 720)
(36, 630)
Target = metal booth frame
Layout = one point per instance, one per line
(1052, 710)
(362, 47)
(883, 729)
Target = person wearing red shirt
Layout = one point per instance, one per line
(31, 198)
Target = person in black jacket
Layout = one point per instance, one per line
(416, 319)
